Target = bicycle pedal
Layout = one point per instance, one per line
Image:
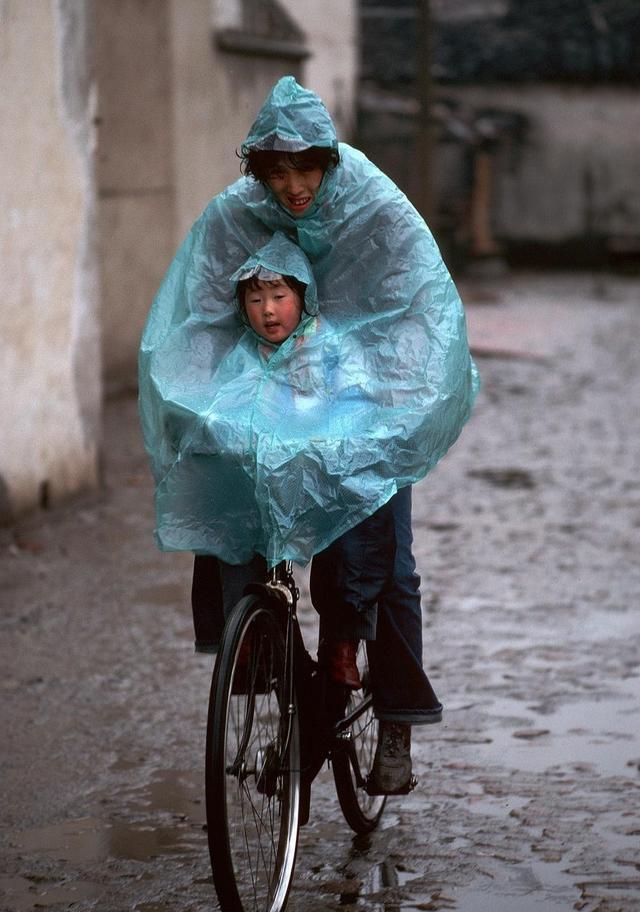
(403, 790)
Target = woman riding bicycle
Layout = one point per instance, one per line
(385, 291)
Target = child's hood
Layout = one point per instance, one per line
(283, 257)
(291, 119)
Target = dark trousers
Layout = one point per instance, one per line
(215, 589)
(364, 586)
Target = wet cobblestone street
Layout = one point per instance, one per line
(527, 540)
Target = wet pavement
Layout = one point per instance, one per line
(527, 538)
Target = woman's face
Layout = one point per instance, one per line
(294, 188)
(273, 310)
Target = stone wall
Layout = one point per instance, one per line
(575, 171)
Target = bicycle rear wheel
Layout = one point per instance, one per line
(253, 763)
(352, 758)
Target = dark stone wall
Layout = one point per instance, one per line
(585, 41)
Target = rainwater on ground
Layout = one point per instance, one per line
(526, 537)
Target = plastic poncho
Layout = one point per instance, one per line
(280, 455)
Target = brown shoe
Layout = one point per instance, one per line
(338, 657)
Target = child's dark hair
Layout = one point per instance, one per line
(253, 284)
(258, 163)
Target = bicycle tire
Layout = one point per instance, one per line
(353, 758)
(252, 781)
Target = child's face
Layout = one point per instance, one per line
(273, 310)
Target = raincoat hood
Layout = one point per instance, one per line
(279, 450)
(291, 119)
(281, 257)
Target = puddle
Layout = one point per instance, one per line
(170, 793)
(146, 843)
(351, 901)
(478, 901)
(355, 888)
(603, 733)
(173, 791)
(163, 820)
(91, 839)
(504, 478)
(23, 895)
(388, 874)
(533, 886)
(76, 841)
(150, 907)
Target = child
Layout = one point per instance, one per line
(286, 377)
(272, 305)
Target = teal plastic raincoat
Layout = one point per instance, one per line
(279, 450)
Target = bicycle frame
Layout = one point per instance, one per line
(281, 583)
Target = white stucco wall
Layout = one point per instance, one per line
(332, 31)
(50, 389)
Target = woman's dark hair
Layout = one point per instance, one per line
(258, 163)
(253, 284)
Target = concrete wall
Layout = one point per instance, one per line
(332, 31)
(50, 390)
(577, 173)
(134, 170)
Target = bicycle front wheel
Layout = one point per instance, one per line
(353, 757)
(253, 763)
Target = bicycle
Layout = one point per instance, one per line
(273, 720)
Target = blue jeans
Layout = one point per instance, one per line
(363, 586)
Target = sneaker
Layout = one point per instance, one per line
(338, 657)
(391, 770)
